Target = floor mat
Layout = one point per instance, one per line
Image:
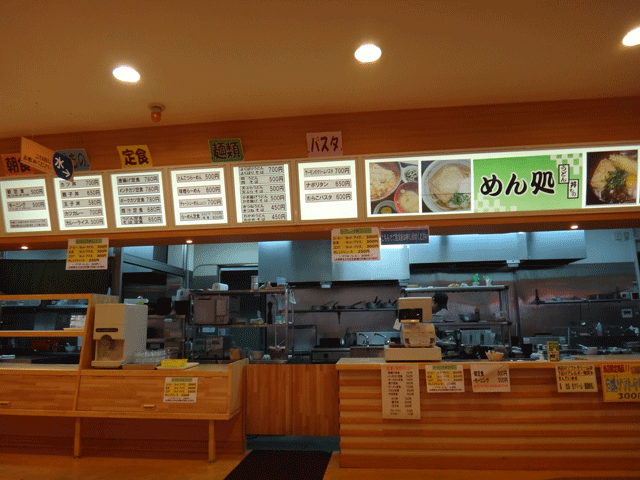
(282, 465)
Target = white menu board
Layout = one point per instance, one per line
(138, 199)
(199, 196)
(400, 391)
(25, 207)
(262, 193)
(328, 190)
(80, 203)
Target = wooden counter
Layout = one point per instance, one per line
(531, 427)
(55, 409)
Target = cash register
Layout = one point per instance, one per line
(417, 331)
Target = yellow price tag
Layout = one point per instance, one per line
(174, 363)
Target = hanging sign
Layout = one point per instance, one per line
(532, 182)
(355, 244)
(79, 158)
(135, 156)
(62, 166)
(576, 378)
(490, 377)
(325, 144)
(226, 150)
(81, 204)
(404, 236)
(13, 166)
(620, 382)
(199, 196)
(328, 190)
(88, 254)
(37, 156)
(400, 391)
(180, 389)
(445, 378)
(25, 206)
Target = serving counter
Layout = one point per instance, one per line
(532, 426)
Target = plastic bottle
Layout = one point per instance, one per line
(476, 279)
(599, 329)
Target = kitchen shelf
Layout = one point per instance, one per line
(41, 333)
(471, 288)
(482, 325)
(350, 310)
(240, 325)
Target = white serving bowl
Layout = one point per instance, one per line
(256, 355)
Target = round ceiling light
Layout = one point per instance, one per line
(126, 74)
(632, 38)
(368, 53)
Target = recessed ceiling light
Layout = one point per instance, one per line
(574, 227)
(126, 74)
(189, 241)
(368, 53)
(632, 38)
(24, 247)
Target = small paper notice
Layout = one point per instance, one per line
(180, 389)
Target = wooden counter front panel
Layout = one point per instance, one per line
(37, 392)
(315, 400)
(145, 395)
(531, 427)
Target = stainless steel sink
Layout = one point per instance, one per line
(366, 351)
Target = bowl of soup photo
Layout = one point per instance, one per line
(407, 199)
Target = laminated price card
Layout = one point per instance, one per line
(400, 391)
(445, 378)
(621, 382)
(139, 199)
(576, 378)
(355, 244)
(180, 389)
(328, 190)
(25, 207)
(81, 204)
(490, 377)
(199, 196)
(262, 193)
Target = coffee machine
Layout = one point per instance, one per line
(119, 331)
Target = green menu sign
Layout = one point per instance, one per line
(537, 182)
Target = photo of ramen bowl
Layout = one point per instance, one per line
(407, 198)
(384, 178)
(612, 177)
(446, 186)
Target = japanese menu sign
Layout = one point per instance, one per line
(620, 382)
(490, 377)
(262, 193)
(88, 254)
(36, 156)
(135, 156)
(445, 378)
(328, 190)
(138, 199)
(81, 203)
(180, 390)
(199, 196)
(13, 166)
(578, 378)
(25, 207)
(400, 391)
(324, 144)
(355, 244)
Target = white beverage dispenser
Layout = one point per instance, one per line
(119, 331)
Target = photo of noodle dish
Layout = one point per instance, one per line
(613, 177)
(446, 186)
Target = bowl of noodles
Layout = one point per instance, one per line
(614, 177)
(406, 198)
(384, 178)
(446, 186)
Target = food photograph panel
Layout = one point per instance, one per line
(446, 186)
(612, 177)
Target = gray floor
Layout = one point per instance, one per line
(285, 442)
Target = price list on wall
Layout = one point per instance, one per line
(262, 193)
(199, 196)
(24, 205)
(80, 203)
(328, 190)
(400, 391)
(138, 199)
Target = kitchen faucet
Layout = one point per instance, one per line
(366, 339)
(384, 338)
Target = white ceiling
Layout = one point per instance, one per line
(213, 60)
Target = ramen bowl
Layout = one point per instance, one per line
(446, 186)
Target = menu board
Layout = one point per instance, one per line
(80, 203)
(138, 199)
(445, 378)
(328, 190)
(199, 196)
(490, 377)
(621, 382)
(25, 207)
(400, 391)
(262, 193)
